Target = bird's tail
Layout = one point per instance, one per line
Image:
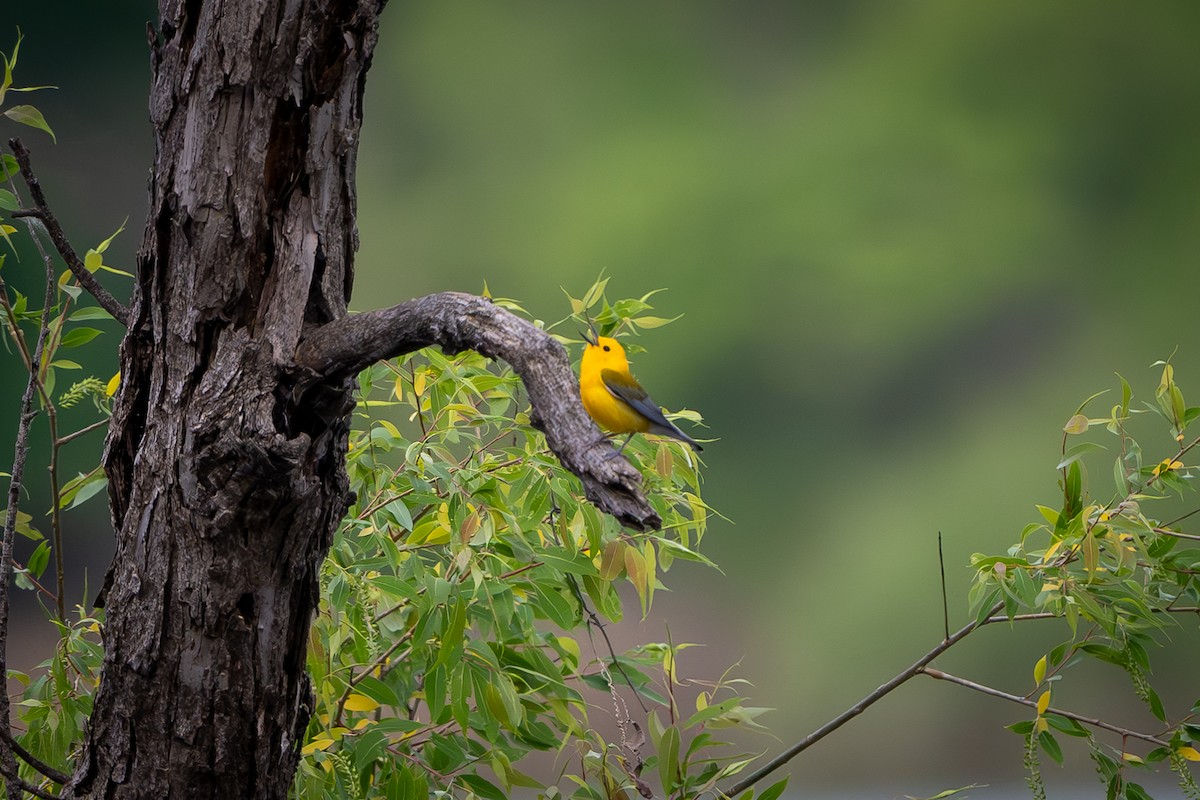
(671, 430)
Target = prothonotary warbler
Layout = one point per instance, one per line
(614, 398)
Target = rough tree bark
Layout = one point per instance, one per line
(226, 454)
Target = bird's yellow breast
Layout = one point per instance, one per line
(609, 412)
(612, 414)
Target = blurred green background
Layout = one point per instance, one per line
(908, 239)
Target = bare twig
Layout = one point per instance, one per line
(859, 707)
(7, 760)
(39, 365)
(945, 603)
(1177, 534)
(1014, 698)
(921, 666)
(457, 322)
(42, 212)
(95, 426)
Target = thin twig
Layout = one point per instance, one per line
(1052, 615)
(859, 707)
(945, 603)
(26, 786)
(53, 333)
(32, 760)
(70, 437)
(368, 669)
(1179, 519)
(917, 668)
(1176, 534)
(1092, 721)
(41, 211)
(7, 760)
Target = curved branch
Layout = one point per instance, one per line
(457, 322)
(42, 212)
(862, 705)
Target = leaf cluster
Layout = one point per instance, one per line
(1113, 572)
(464, 604)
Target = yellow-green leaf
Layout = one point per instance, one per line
(664, 461)
(613, 559)
(316, 744)
(1039, 670)
(28, 115)
(1043, 702)
(360, 702)
(635, 566)
(1076, 424)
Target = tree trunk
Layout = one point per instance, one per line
(226, 478)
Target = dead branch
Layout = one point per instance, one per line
(457, 322)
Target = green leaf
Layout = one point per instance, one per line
(39, 558)
(1156, 706)
(668, 759)
(653, 322)
(28, 115)
(1066, 725)
(82, 488)
(378, 691)
(1134, 791)
(482, 787)
(561, 611)
(88, 313)
(1126, 396)
(400, 513)
(565, 561)
(1077, 452)
(24, 527)
(8, 200)
(1074, 490)
(715, 710)
(595, 293)
(79, 336)
(1050, 745)
(773, 791)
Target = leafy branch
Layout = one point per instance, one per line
(1107, 564)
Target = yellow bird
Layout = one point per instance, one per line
(614, 398)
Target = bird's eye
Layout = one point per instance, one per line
(607, 348)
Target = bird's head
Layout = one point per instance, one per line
(604, 352)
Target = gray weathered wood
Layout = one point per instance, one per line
(459, 322)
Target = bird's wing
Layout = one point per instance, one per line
(630, 392)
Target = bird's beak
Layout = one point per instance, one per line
(592, 339)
